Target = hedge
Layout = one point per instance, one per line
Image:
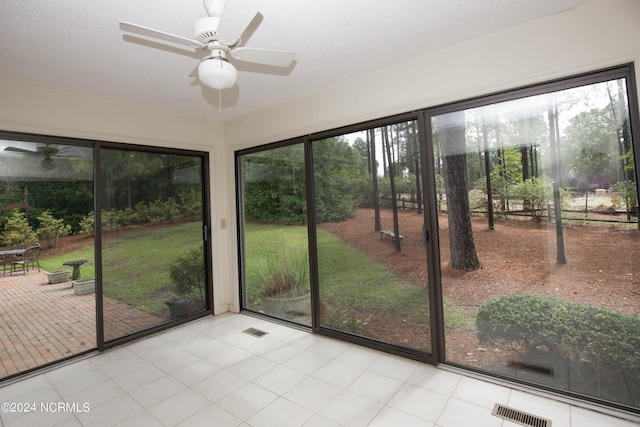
(573, 331)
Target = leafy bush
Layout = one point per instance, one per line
(477, 199)
(537, 195)
(187, 273)
(50, 228)
(17, 230)
(624, 195)
(155, 212)
(565, 329)
(87, 224)
(190, 203)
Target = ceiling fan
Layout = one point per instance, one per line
(46, 151)
(219, 35)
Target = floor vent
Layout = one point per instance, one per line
(543, 370)
(255, 332)
(519, 416)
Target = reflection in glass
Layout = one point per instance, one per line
(371, 252)
(46, 194)
(152, 239)
(538, 219)
(275, 250)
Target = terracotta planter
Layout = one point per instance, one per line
(84, 287)
(58, 276)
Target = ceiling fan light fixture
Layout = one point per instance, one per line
(47, 164)
(217, 73)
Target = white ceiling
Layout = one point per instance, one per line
(77, 46)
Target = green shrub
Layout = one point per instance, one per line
(156, 212)
(624, 195)
(190, 203)
(87, 224)
(572, 331)
(187, 273)
(17, 230)
(537, 195)
(50, 228)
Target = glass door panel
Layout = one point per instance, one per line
(274, 246)
(46, 208)
(153, 262)
(538, 227)
(372, 268)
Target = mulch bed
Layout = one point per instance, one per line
(517, 256)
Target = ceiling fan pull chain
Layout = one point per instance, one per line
(219, 100)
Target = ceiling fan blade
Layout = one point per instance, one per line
(276, 58)
(21, 150)
(236, 17)
(149, 32)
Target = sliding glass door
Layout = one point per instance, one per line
(371, 251)
(46, 207)
(152, 231)
(62, 294)
(538, 227)
(274, 233)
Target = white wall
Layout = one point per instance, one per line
(597, 35)
(29, 109)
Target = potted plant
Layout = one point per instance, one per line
(188, 279)
(84, 287)
(59, 276)
(284, 282)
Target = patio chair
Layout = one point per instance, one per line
(5, 260)
(30, 256)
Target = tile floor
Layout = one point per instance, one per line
(209, 372)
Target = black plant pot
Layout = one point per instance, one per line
(178, 306)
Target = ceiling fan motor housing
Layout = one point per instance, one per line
(204, 30)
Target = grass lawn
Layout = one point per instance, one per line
(136, 266)
(87, 271)
(351, 283)
(350, 277)
(136, 269)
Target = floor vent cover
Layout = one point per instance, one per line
(519, 416)
(543, 370)
(255, 332)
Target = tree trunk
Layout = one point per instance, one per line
(557, 205)
(487, 166)
(417, 165)
(375, 195)
(394, 205)
(453, 146)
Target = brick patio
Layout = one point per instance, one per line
(42, 322)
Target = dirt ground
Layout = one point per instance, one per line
(518, 255)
